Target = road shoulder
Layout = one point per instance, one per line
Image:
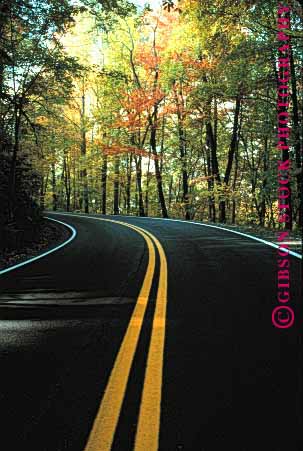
(50, 235)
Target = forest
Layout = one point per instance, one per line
(166, 110)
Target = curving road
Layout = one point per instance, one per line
(102, 348)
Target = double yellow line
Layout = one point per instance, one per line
(105, 424)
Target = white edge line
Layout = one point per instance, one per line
(26, 262)
(294, 254)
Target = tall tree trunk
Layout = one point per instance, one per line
(83, 172)
(153, 120)
(138, 163)
(182, 149)
(54, 187)
(147, 186)
(116, 184)
(234, 204)
(75, 196)
(162, 142)
(13, 164)
(67, 183)
(170, 191)
(128, 182)
(231, 153)
(264, 184)
(205, 151)
(43, 188)
(103, 184)
(68, 201)
(136, 199)
(153, 145)
(211, 146)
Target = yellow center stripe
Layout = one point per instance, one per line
(147, 437)
(102, 433)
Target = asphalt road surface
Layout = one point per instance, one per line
(153, 336)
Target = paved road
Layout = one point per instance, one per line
(96, 348)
